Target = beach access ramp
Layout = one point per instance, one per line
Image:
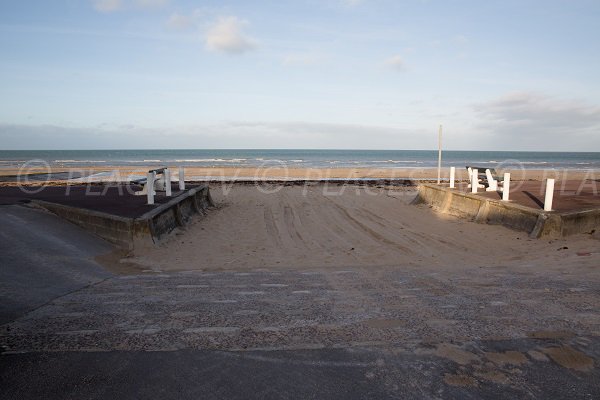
(43, 257)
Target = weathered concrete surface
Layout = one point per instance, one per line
(486, 210)
(42, 258)
(131, 232)
(351, 333)
(357, 373)
(584, 221)
(113, 228)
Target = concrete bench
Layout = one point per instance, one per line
(488, 175)
(156, 179)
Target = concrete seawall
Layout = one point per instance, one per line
(129, 233)
(536, 223)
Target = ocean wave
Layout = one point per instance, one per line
(395, 162)
(512, 162)
(152, 161)
(275, 160)
(199, 160)
(80, 161)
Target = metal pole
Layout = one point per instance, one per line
(439, 179)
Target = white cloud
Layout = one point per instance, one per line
(396, 62)
(180, 22)
(226, 35)
(535, 109)
(537, 119)
(219, 135)
(108, 5)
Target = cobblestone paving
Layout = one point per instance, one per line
(485, 333)
(304, 309)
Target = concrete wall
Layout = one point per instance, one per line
(479, 209)
(115, 229)
(150, 228)
(580, 222)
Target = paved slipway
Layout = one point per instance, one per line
(74, 329)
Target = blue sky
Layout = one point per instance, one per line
(377, 74)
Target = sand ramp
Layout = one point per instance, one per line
(322, 226)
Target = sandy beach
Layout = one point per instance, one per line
(121, 173)
(343, 226)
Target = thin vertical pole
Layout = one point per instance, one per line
(549, 195)
(150, 187)
(506, 187)
(452, 176)
(439, 156)
(181, 178)
(474, 180)
(167, 174)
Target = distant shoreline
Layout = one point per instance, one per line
(394, 160)
(96, 173)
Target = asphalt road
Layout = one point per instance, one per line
(43, 258)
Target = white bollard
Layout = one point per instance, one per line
(452, 173)
(506, 186)
(168, 182)
(181, 179)
(549, 195)
(474, 181)
(150, 187)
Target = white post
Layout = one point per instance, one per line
(474, 180)
(506, 186)
(452, 174)
(439, 156)
(181, 179)
(549, 195)
(150, 187)
(167, 181)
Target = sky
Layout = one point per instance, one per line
(332, 74)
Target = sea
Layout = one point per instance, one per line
(301, 158)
